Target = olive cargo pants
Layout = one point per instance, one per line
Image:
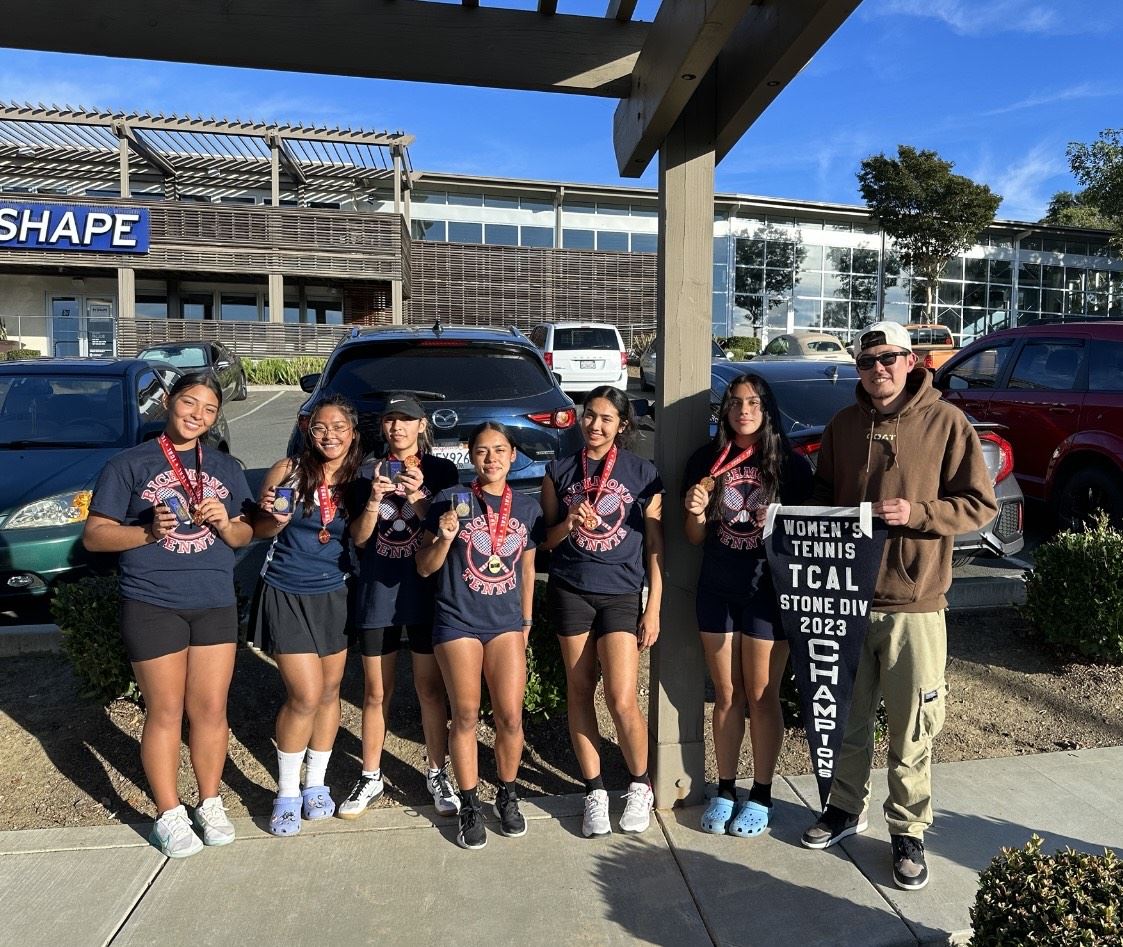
(903, 659)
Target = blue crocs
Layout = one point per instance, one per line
(752, 819)
(318, 803)
(285, 819)
(715, 819)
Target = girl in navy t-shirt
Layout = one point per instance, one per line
(604, 507)
(392, 598)
(728, 485)
(479, 542)
(173, 508)
(300, 611)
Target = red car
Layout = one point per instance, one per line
(1058, 391)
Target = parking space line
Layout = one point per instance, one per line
(258, 408)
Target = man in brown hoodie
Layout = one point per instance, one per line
(919, 461)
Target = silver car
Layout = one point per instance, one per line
(647, 363)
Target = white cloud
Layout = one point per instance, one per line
(984, 17)
(1027, 184)
(1084, 90)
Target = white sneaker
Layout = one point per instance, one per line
(445, 798)
(637, 809)
(595, 822)
(172, 834)
(210, 816)
(367, 789)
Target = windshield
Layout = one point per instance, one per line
(61, 411)
(181, 356)
(453, 370)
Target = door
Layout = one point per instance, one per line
(66, 325)
(101, 329)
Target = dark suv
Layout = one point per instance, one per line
(1058, 392)
(462, 376)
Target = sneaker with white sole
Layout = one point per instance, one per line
(211, 818)
(445, 798)
(639, 801)
(472, 833)
(366, 790)
(512, 822)
(832, 826)
(595, 822)
(173, 835)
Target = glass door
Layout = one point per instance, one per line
(65, 327)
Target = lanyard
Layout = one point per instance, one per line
(194, 491)
(327, 511)
(720, 466)
(496, 523)
(605, 473)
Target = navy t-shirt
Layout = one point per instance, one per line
(734, 544)
(298, 562)
(390, 590)
(469, 597)
(607, 559)
(191, 567)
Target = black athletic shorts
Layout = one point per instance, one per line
(375, 642)
(288, 623)
(574, 612)
(152, 631)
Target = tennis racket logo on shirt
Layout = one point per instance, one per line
(399, 527)
(187, 537)
(741, 496)
(612, 509)
(482, 574)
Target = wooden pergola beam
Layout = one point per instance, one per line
(408, 40)
(622, 10)
(684, 41)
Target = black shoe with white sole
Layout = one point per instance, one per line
(472, 833)
(834, 824)
(511, 821)
(909, 869)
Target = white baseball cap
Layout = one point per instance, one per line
(884, 333)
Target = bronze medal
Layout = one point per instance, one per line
(495, 565)
(592, 522)
(412, 461)
(324, 536)
(707, 484)
(197, 517)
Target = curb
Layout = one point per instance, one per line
(29, 639)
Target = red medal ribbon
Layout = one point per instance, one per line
(605, 472)
(496, 523)
(327, 504)
(719, 466)
(194, 492)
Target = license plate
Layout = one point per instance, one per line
(586, 363)
(457, 453)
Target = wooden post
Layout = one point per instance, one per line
(686, 212)
(276, 297)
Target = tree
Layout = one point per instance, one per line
(1075, 209)
(930, 213)
(1099, 167)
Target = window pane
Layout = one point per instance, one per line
(981, 370)
(837, 259)
(645, 243)
(197, 305)
(646, 211)
(462, 232)
(809, 284)
(577, 239)
(239, 308)
(152, 307)
(1000, 271)
(1053, 277)
(974, 269)
(1046, 366)
(427, 229)
(1105, 367)
(503, 235)
(536, 236)
(580, 207)
(611, 240)
(536, 204)
(810, 257)
(496, 200)
(1029, 274)
(750, 252)
(865, 261)
(465, 200)
(953, 269)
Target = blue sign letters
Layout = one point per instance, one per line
(71, 227)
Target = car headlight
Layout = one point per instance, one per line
(60, 510)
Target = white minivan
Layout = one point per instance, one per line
(583, 355)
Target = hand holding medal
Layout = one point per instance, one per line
(412, 479)
(583, 515)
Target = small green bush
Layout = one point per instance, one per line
(545, 670)
(16, 354)
(740, 346)
(1069, 898)
(281, 371)
(87, 613)
(1074, 597)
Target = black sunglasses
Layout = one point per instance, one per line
(866, 362)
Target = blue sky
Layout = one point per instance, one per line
(999, 87)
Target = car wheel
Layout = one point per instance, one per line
(240, 394)
(1087, 492)
(644, 383)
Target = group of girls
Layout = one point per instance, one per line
(378, 549)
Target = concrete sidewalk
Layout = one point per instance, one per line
(397, 876)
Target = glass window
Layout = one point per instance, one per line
(1105, 366)
(536, 236)
(580, 207)
(325, 312)
(240, 200)
(427, 197)
(57, 408)
(197, 305)
(975, 294)
(981, 370)
(611, 240)
(953, 269)
(460, 231)
(1053, 277)
(1053, 244)
(427, 229)
(835, 315)
(501, 201)
(1000, 271)
(1030, 243)
(150, 398)
(538, 336)
(647, 211)
(182, 355)
(1077, 246)
(1029, 298)
(780, 253)
(839, 226)
(837, 259)
(239, 308)
(585, 338)
(460, 199)
(951, 294)
(152, 307)
(1046, 366)
(808, 312)
(750, 252)
(749, 279)
(645, 243)
(578, 239)
(537, 204)
(975, 269)
(1029, 274)
(1053, 301)
(863, 287)
(865, 261)
(809, 284)
(503, 235)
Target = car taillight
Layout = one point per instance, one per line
(562, 418)
(1005, 452)
(808, 449)
(548, 358)
(623, 360)
(929, 362)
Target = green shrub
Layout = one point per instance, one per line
(16, 354)
(1074, 597)
(740, 346)
(1026, 897)
(281, 371)
(86, 612)
(545, 670)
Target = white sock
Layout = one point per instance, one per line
(288, 773)
(433, 770)
(316, 767)
(372, 773)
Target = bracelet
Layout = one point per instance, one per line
(528, 622)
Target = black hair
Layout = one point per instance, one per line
(623, 407)
(309, 465)
(424, 436)
(772, 442)
(191, 379)
(496, 426)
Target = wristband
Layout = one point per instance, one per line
(528, 622)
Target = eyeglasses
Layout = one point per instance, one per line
(321, 430)
(866, 362)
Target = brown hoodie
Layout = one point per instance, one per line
(927, 454)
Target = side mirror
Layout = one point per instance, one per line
(308, 382)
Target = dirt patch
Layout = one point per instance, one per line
(69, 762)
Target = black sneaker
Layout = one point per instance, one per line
(472, 834)
(909, 870)
(833, 824)
(511, 821)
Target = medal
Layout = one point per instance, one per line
(496, 524)
(593, 521)
(720, 466)
(412, 461)
(462, 509)
(327, 511)
(197, 517)
(324, 536)
(194, 490)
